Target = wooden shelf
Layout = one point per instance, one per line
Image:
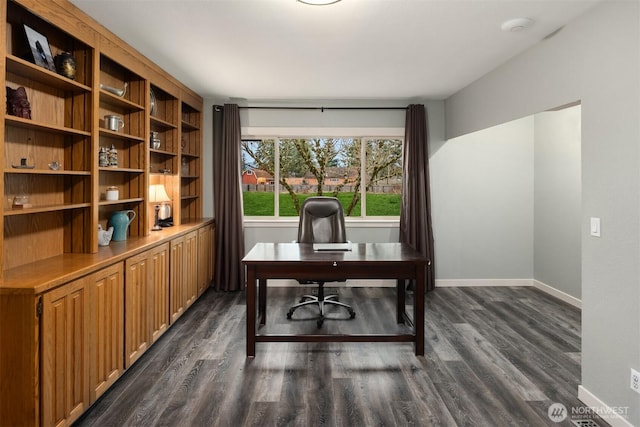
(24, 68)
(188, 126)
(191, 162)
(51, 247)
(162, 123)
(46, 172)
(119, 170)
(120, 201)
(44, 209)
(120, 135)
(118, 101)
(162, 152)
(41, 126)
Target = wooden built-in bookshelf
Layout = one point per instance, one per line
(69, 308)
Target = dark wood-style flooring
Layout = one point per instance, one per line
(494, 357)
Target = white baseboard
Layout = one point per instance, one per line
(608, 414)
(558, 294)
(461, 283)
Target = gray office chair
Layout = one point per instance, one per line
(321, 221)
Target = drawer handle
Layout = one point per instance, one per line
(335, 264)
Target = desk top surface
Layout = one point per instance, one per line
(360, 252)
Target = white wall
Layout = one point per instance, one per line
(558, 200)
(482, 204)
(594, 59)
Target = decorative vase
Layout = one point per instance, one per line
(65, 65)
(104, 236)
(120, 221)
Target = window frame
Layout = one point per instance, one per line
(263, 133)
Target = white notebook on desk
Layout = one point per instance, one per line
(319, 247)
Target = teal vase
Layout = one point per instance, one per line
(120, 221)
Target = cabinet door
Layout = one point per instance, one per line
(191, 267)
(20, 350)
(106, 300)
(205, 258)
(137, 302)
(65, 379)
(159, 267)
(177, 282)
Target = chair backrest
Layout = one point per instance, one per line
(321, 221)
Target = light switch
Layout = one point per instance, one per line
(595, 227)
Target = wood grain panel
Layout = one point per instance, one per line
(137, 304)
(106, 298)
(38, 148)
(191, 267)
(177, 270)
(24, 238)
(159, 261)
(65, 386)
(20, 367)
(206, 249)
(47, 103)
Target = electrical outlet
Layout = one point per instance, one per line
(635, 380)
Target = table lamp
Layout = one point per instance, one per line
(157, 195)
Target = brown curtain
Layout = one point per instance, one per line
(227, 198)
(415, 213)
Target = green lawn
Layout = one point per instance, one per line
(261, 204)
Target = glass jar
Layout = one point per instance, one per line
(112, 193)
(103, 157)
(185, 166)
(113, 156)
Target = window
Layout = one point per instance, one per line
(364, 173)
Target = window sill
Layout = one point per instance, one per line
(350, 222)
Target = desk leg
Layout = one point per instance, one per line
(251, 311)
(400, 292)
(262, 300)
(418, 309)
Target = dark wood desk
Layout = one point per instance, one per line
(365, 261)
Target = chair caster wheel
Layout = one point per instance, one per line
(289, 314)
(319, 323)
(352, 314)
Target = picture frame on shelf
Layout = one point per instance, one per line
(40, 49)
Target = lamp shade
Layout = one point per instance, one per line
(157, 194)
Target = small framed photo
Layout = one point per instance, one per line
(40, 49)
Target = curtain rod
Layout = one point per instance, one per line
(322, 109)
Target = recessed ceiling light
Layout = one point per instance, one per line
(318, 2)
(517, 24)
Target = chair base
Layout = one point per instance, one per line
(321, 300)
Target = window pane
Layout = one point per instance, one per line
(258, 177)
(319, 166)
(384, 176)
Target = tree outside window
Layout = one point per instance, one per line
(346, 168)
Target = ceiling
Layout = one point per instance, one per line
(353, 49)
